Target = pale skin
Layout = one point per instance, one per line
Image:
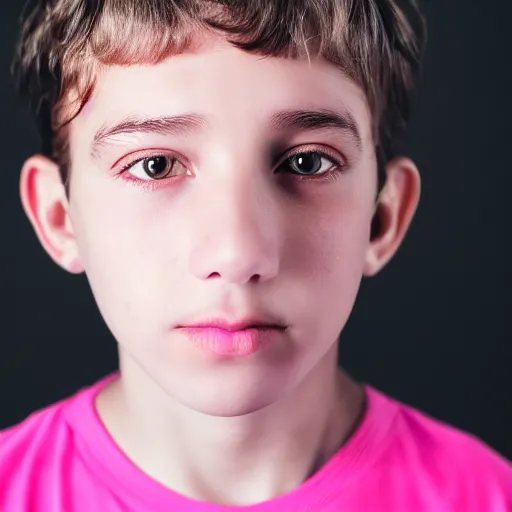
(226, 235)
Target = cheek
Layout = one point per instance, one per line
(335, 238)
(125, 257)
(323, 269)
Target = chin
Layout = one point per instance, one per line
(228, 408)
(237, 400)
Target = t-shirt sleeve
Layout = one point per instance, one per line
(500, 471)
(28, 455)
(489, 487)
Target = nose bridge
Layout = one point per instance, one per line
(236, 236)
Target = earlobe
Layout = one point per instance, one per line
(44, 200)
(393, 213)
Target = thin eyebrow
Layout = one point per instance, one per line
(187, 124)
(317, 119)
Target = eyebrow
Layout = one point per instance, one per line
(187, 124)
(179, 125)
(317, 119)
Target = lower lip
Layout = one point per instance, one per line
(216, 341)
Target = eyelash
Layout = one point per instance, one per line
(152, 184)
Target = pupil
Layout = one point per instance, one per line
(155, 165)
(308, 163)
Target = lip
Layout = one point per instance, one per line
(233, 326)
(222, 343)
(219, 337)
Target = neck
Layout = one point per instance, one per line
(271, 451)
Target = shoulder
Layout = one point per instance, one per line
(25, 444)
(39, 453)
(463, 467)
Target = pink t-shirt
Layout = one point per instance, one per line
(62, 459)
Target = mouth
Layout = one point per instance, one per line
(219, 337)
(234, 326)
(217, 342)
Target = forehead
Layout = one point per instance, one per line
(230, 87)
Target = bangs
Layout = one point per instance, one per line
(134, 32)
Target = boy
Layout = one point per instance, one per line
(176, 137)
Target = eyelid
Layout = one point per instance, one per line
(315, 148)
(134, 157)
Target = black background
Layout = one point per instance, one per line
(431, 330)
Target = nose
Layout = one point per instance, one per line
(236, 236)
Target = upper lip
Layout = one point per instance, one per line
(236, 325)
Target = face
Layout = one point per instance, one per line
(241, 208)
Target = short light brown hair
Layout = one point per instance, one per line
(377, 43)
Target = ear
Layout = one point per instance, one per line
(44, 200)
(394, 211)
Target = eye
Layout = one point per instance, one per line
(156, 167)
(309, 163)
